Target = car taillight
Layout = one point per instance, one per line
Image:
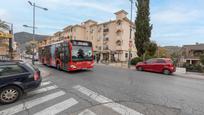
(36, 76)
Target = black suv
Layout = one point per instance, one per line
(17, 78)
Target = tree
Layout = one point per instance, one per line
(3, 25)
(29, 47)
(151, 48)
(162, 53)
(202, 59)
(143, 26)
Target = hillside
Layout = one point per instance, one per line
(23, 37)
(172, 49)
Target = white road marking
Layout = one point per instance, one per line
(45, 83)
(42, 90)
(123, 110)
(30, 104)
(87, 112)
(57, 108)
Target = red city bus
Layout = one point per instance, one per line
(69, 55)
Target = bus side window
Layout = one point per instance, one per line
(66, 52)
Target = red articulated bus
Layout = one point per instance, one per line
(69, 55)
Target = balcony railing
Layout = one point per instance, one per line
(119, 27)
(106, 30)
(106, 39)
(118, 47)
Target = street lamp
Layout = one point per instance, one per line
(130, 41)
(34, 6)
(27, 26)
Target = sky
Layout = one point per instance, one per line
(175, 22)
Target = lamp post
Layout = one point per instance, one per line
(34, 6)
(130, 41)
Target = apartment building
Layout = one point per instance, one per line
(111, 39)
(4, 43)
(191, 53)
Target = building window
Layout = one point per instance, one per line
(119, 33)
(99, 29)
(106, 30)
(105, 47)
(118, 42)
(126, 55)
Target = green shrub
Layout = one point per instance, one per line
(135, 60)
(193, 68)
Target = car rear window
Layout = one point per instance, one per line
(160, 61)
(32, 67)
(11, 70)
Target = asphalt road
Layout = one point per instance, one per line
(111, 91)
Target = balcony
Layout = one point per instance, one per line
(119, 27)
(118, 48)
(119, 37)
(105, 47)
(106, 30)
(106, 39)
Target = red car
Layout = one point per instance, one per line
(160, 65)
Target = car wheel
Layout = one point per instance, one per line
(140, 68)
(166, 72)
(10, 94)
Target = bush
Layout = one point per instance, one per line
(202, 59)
(193, 68)
(135, 60)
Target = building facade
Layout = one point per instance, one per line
(191, 53)
(111, 40)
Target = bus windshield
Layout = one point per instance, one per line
(81, 53)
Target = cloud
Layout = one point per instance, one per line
(4, 15)
(175, 16)
(78, 3)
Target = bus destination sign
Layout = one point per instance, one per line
(81, 43)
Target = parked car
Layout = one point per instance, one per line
(160, 65)
(17, 78)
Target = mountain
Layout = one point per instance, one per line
(23, 37)
(172, 49)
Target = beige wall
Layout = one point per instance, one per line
(4, 46)
(94, 32)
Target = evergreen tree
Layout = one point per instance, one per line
(143, 26)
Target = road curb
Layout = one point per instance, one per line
(190, 76)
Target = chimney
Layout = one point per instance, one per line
(121, 14)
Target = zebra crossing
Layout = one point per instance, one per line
(65, 104)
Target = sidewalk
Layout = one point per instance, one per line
(190, 75)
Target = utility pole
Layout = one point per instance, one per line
(33, 27)
(130, 41)
(33, 53)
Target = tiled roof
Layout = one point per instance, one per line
(194, 47)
